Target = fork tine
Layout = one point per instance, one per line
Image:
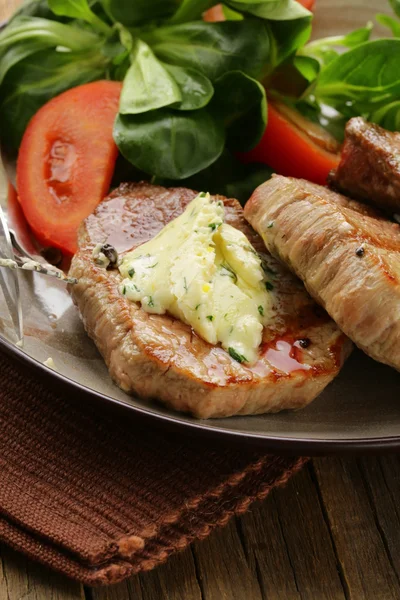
(32, 265)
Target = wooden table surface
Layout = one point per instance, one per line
(333, 532)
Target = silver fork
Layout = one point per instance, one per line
(9, 280)
(18, 251)
(27, 254)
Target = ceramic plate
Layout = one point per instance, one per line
(359, 410)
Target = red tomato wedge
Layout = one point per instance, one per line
(66, 161)
(295, 147)
(216, 13)
(309, 4)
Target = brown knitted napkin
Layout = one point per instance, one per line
(98, 495)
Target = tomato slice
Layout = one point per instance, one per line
(66, 161)
(295, 147)
(214, 14)
(309, 4)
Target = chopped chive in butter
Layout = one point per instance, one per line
(236, 356)
(269, 286)
(131, 272)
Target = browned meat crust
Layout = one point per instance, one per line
(370, 165)
(160, 357)
(346, 253)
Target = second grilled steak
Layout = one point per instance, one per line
(370, 165)
(347, 254)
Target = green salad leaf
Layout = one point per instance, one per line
(16, 53)
(190, 10)
(196, 89)
(390, 22)
(327, 49)
(388, 116)
(395, 4)
(214, 48)
(50, 33)
(274, 10)
(147, 85)
(240, 104)
(173, 144)
(133, 13)
(78, 9)
(368, 73)
(34, 8)
(230, 14)
(307, 66)
(288, 37)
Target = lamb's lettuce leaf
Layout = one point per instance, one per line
(78, 9)
(36, 79)
(214, 48)
(196, 89)
(276, 10)
(327, 49)
(240, 104)
(170, 143)
(389, 22)
(133, 13)
(367, 73)
(147, 85)
(395, 4)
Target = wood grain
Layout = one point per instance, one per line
(175, 580)
(358, 540)
(381, 476)
(308, 540)
(22, 578)
(266, 551)
(7, 7)
(223, 570)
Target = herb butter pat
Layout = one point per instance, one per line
(205, 273)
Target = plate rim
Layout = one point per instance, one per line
(288, 445)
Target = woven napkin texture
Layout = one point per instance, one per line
(99, 495)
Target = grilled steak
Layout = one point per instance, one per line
(370, 165)
(157, 356)
(346, 253)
